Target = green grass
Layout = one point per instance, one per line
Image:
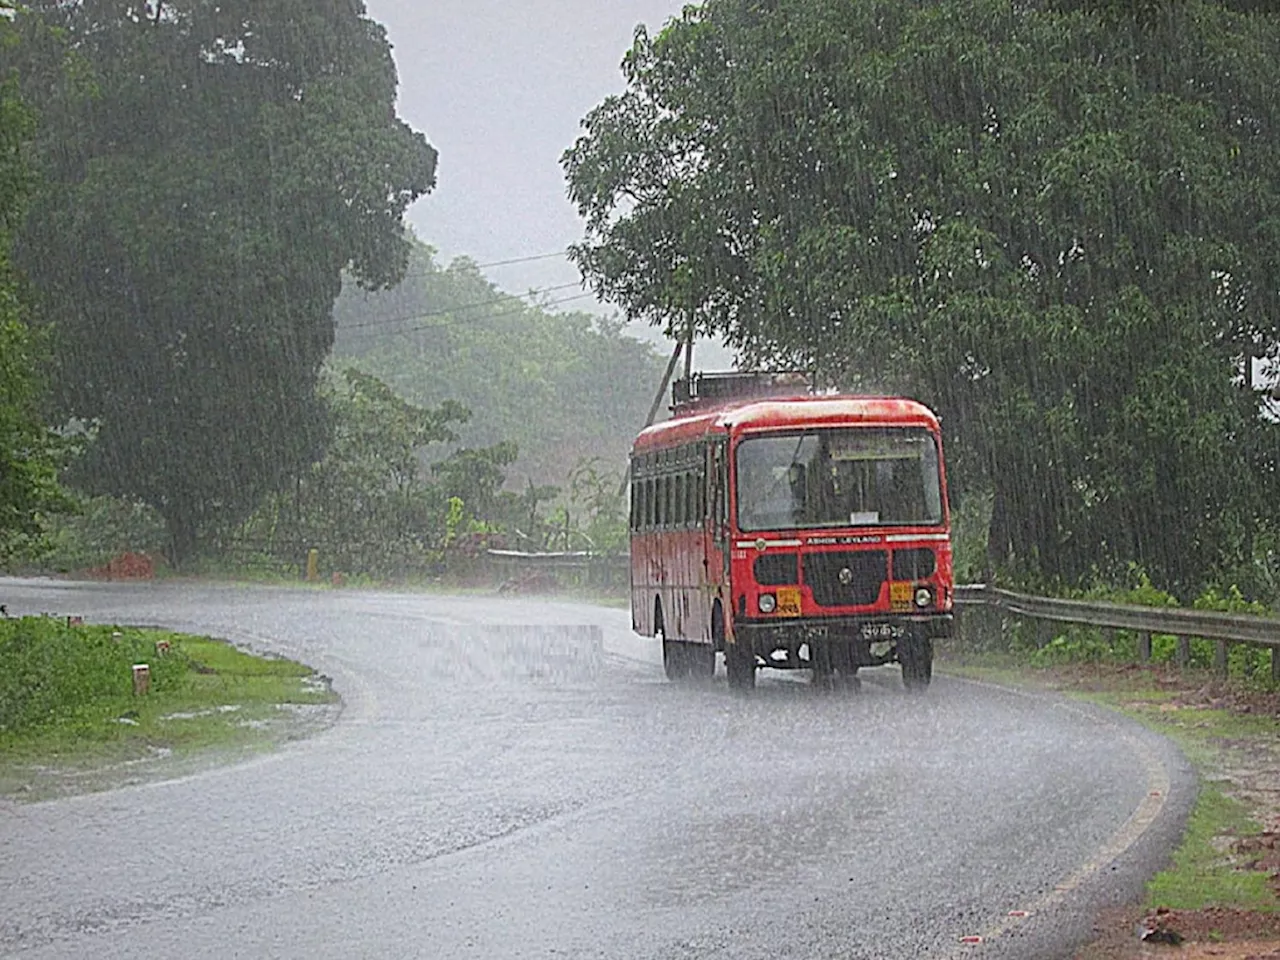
(68, 714)
(1203, 874)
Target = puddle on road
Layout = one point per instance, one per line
(36, 782)
(518, 653)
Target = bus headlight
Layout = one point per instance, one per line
(768, 603)
(924, 597)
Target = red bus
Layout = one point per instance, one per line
(790, 531)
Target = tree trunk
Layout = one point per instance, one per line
(182, 540)
(997, 533)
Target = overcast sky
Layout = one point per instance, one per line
(499, 88)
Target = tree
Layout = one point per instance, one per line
(1058, 222)
(213, 168)
(475, 478)
(30, 454)
(369, 504)
(562, 386)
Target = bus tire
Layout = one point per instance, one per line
(702, 657)
(675, 664)
(740, 662)
(675, 659)
(822, 668)
(700, 660)
(915, 653)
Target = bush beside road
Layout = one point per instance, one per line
(71, 721)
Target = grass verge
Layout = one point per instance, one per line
(1203, 873)
(70, 721)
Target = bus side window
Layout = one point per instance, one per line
(678, 513)
(660, 502)
(691, 493)
(647, 507)
(634, 518)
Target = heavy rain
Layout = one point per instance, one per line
(643, 480)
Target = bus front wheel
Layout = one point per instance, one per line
(740, 662)
(915, 653)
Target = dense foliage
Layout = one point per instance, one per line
(368, 504)
(565, 388)
(1057, 222)
(394, 494)
(212, 169)
(29, 453)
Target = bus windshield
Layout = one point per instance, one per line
(842, 477)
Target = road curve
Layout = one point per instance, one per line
(474, 802)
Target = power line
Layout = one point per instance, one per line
(434, 268)
(505, 298)
(539, 256)
(478, 320)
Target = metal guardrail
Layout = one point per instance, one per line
(595, 569)
(1225, 628)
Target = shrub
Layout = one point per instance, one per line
(53, 672)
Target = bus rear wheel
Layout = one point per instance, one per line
(675, 659)
(701, 660)
(682, 660)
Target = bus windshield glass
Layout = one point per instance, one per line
(843, 477)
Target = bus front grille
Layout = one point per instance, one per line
(846, 579)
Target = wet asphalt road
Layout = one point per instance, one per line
(491, 795)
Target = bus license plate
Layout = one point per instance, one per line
(788, 601)
(883, 631)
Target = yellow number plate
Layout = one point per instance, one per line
(788, 601)
(900, 595)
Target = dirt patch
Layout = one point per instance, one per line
(1189, 935)
(1217, 932)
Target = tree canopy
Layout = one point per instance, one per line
(1058, 222)
(368, 504)
(212, 169)
(29, 452)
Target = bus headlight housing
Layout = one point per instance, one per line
(924, 597)
(768, 603)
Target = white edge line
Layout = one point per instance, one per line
(1129, 833)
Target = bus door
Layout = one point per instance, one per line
(716, 562)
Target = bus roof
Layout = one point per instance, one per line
(786, 413)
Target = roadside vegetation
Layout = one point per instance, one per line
(70, 718)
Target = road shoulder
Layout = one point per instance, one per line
(1219, 894)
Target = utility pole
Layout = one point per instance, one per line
(662, 390)
(688, 349)
(685, 345)
(657, 402)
